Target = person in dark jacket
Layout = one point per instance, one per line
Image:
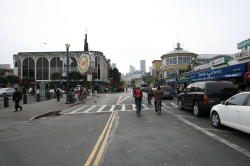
(17, 96)
(58, 94)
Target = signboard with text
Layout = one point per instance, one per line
(242, 54)
(219, 61)
(84, 63)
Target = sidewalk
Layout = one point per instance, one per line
(9, 118)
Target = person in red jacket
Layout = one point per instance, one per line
(137, 93)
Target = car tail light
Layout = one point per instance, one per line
(205, 99)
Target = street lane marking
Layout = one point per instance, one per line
(112, 108)
(145, 107)
(77, 110)
(133, 107)
(91, 156)
(118, 100)
(87, 110)
(173, 104)
(216, 137)
(123, 108)
(100, 109)
(104, 143)
(124, 99)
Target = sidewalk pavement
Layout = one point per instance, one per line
(9, 118)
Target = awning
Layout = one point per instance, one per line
(246, 75)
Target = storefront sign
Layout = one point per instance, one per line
(183, 79)
(224, 72)
(84, 63)
(243, 54)
(219, 61)
(243, 44)
(170, 80)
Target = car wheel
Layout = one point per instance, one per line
(180, 107)
(215, 120)
(196, 109)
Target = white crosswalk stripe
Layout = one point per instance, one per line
(110, 108)
(100, 110)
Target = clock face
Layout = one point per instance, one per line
(83, 63)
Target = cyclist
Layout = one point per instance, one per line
(158, 94)
(137, 93)
(150, 94)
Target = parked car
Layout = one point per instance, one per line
(7, 91)
(234, 112)
(202, 96)
(168, 92)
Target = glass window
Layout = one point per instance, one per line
(248, 101)
(193, 87)
(167, 61)
(237, 99)
(200, 86)
(174, 60)
(180, 60)
(188, 88)
(184, 60)
(188, 60)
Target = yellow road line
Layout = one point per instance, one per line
(104, 143)
(91, 156)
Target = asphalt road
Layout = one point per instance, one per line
(106, 131)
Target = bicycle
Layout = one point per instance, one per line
(149, 99)
(138, 108)
(158, 106)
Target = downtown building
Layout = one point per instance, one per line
(40, 66)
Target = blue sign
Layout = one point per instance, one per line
(170, 80)
(214, 74)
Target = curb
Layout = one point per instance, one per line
(51, 113)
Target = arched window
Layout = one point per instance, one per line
(55, 65)
(42, 69)
(28, 67)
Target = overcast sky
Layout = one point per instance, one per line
(126, 31)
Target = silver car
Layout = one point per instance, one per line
(7, 91)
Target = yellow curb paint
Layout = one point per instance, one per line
(104, 143)
(91, 156)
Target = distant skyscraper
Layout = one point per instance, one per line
(131, 69)
(113, 65)
(143, 65)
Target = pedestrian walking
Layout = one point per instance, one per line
(58, 94)
(17, 96)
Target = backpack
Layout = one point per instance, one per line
(137, 93)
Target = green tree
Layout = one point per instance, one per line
(55, 76)
(115, 76)
(12, 79)
(28, 79)
(75, 76)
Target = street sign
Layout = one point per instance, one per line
(89, 77)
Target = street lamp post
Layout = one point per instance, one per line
(67, 84)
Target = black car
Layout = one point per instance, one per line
(202, 96)
(168, 92)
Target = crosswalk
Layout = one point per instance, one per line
(85, 109)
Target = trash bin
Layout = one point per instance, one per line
(25, 99)
(71, 98)
(47, 95)
(37, 97)
(6, 101)
(64, 98)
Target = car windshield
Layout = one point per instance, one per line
(167, 88)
